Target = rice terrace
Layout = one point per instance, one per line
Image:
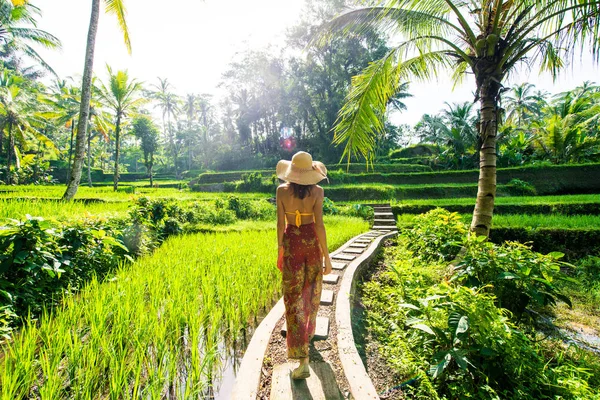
(144, 248)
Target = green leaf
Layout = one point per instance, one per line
(463, 325)
(437, 370)
(424, 328)
(508, 275)
(564, 299)
(408, 305)
(556, 255)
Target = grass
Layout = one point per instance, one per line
(579, 198)
(157, 328)
(556, 221)
(557, 199)
(17, 209)
(106, 193)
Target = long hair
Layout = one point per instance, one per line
(301, 191)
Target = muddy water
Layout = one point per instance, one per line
(586, 340)
(230, 359)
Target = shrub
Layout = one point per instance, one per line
(251, 182)
(519, 277)
(329, 207)
(359, 210)
(417, 150)
(517, 187)
(575, 243)
(31, 264)
(40, 261)
(453, 341)
(246, 209)
(219, 215)
(437, 235)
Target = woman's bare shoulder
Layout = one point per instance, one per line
(320, 191)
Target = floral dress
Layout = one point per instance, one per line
(302, 278)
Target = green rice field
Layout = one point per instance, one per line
(107, 193)
(159, 326)
(555, 221)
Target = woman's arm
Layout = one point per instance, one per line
(280, 216)
(320, 229)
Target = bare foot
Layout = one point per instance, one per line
(302, 372)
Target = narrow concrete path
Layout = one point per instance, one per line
(265, 372)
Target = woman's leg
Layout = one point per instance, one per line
(293, 285)
(313, 287)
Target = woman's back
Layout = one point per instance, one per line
(304, 206)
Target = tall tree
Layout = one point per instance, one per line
(18, 118)
(168, 102)
(144, 129)
(522, 104)
(489, 38)
(64, 109)
(121, 97)
(117, 8)
(18, 31)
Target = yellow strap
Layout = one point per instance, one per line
(298, 217)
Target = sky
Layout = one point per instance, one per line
(191, 42)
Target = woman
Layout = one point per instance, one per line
(302, 249)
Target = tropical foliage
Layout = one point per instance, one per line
(488, 38)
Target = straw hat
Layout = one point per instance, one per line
(301, 170)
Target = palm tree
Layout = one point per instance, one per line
(454, 128)
(190, 108)
(64, 106)
(569, 133)
(144, 129)
(116, 7)
(401, 93)
(488, 38)
(522, 104)
(64, 110)
(19, 33)
(121, 97)
(168, 102)
(17, 118)
(564, 140)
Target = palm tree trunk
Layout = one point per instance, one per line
(70, 150)
(89, 158)
(173, 149)
(486, 188)
(84, 110)
(150, 165)
(117, 151)
(1, 140)
(9, 151)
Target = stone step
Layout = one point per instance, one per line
(321, 385)
(338, 265)
(345, 257)
(331, 278)
(387, 227)
(363, 241)
(326, 297)
(353, 250)
(382, 221)
(321, 330)
(384, 214)
(359, 245)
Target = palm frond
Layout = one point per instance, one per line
(365, 106)
(117, 8)
(361, 117)
(389, 20)
(33, 35)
